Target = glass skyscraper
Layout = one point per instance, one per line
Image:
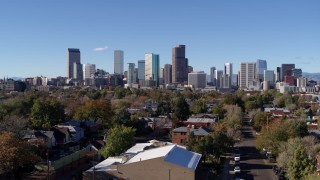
(261, 66)
(152, 67)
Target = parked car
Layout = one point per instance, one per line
(237, 169)
(237, 157)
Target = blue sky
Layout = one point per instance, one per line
(35, 34)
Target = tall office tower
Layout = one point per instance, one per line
(302, 82)
(286, 70)
(118, 62)
(152, 67)
(228, 71)
(247, 74)
(217, 75)
(131, 77)
(88, 70)
(141, 69)
(278, 74)
(212, 79)
(167, 74)
(296, 73)
(73, 56)
(225, 81)
(269, 76)
(261, 65)
(190, 69)
(289, 80)
(77, 71)
(197, 79)
(161, 74)
(179, 65)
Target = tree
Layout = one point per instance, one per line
(219, 110)
(96, 110)
(191, 141)
(199, 106)
(15, 153)
(180, 108)
(119, 139)
(46, 113)
(260, 119)
(14, 124)
(300, 165)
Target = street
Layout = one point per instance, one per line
(252, 164)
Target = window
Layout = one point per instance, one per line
(181, 140)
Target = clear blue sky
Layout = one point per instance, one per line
(35, 34)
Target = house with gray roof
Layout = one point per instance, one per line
(180, 135)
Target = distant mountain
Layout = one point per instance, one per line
(312, 76)
(16, 78)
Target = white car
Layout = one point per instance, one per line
(237, 157)
(237, 169)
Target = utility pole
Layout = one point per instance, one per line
(48, 165)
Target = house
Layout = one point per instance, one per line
(181, 135)
(62, 135)
(77, 133)
(201, 120)
(277, 112)
(154, 160)
(40, 138)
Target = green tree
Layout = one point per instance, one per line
(300, 165)
(260, 119)
(180, 108)
(46, 113)
(219, 110)
(199, 106)
(191, 141)
(96, 110)
(119, 139)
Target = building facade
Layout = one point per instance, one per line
(167, 74)
(88, 70)
(217, 75)
(228, 71)
(131, 77)
(197, 79)
(152, 67)
(212, 77)
(73, 56)
(261, 66)
(269, 76)
(247, 74)
(179, 65)
(118, 62)
(286, 70)
(141, 69)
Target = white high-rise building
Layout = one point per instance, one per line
(302, 82)
(217, 75)
(118, 62)
(228, 71)
(247, 74)
(88, 70)
(131, 77)
(197, 79)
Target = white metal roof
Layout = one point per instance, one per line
(151, 154)
(139, 147)
(107, 164)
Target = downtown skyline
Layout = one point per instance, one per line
(214, 33)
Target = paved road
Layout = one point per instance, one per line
(252, 164)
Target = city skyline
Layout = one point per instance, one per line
(214, 33)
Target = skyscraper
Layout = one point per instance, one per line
(247, 74)
(141, 69)
(167, 74)
(278, 74)
(217, 75)
(88, 70)
(212, 79)
(286, 70)
(261, 65)
(269, 76)
(228, 71)
(131, 77)
(197, 79)
(179, 65)
(73, 56)
(152, 67)
(118, 62)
